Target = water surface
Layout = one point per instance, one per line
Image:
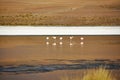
(38, 50)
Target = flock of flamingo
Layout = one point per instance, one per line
(61, 41)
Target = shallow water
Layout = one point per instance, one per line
(37, 50)
(34, 48)
(55, 75)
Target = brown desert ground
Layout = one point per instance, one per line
(60, 12)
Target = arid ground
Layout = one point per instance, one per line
(60, 12)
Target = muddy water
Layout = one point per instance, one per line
(34, 50)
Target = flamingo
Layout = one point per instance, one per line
(47, 43)
(61, 38)
(47, 38)
(81, 38)
(71, 37)
(81, 43)
(70, 44)
(60, 43)
(54, 44)
(54, 37)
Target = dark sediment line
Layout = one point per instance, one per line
(52, 67)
